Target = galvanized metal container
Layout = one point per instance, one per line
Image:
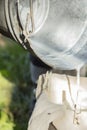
(56, 30)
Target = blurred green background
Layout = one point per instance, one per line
(15, 86)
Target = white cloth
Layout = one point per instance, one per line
(58, 111)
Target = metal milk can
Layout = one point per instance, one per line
(56, 30)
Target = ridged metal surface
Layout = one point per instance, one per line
(3, 24)
(56, 30)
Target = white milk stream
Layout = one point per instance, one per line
(77, 108)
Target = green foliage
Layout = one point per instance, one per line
(6, 89)
(15, 87)
(6, 122)
(14, 64)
